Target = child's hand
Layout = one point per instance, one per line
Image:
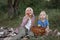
(39, 25)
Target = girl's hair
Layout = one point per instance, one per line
(41, 13)
(28, 9)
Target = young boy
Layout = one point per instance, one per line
(43, 22)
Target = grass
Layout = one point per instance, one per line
(46, 38)
(10, 23)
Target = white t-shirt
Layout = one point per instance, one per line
(28, 25)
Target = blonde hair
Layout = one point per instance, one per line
(28, 9)
(41, 13)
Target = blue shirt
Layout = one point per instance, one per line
(43, 24)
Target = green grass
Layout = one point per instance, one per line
(46, 38)
(10, 23)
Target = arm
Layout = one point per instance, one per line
(39, 23)
(47, 23)
(24, 21)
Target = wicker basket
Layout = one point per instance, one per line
(38, 30)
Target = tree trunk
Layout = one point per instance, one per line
(12, 8)
(15, 6)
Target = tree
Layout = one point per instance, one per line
(12, 8)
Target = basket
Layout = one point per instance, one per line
(38, 30)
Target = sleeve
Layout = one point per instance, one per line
(24, 21)
(39, 23)
(47, 23)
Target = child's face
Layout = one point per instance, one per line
(42, 15)
(28, 12)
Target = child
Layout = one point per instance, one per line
(43, 22)
(27, 23)
(28, 20)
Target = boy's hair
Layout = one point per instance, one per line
(45, 13)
